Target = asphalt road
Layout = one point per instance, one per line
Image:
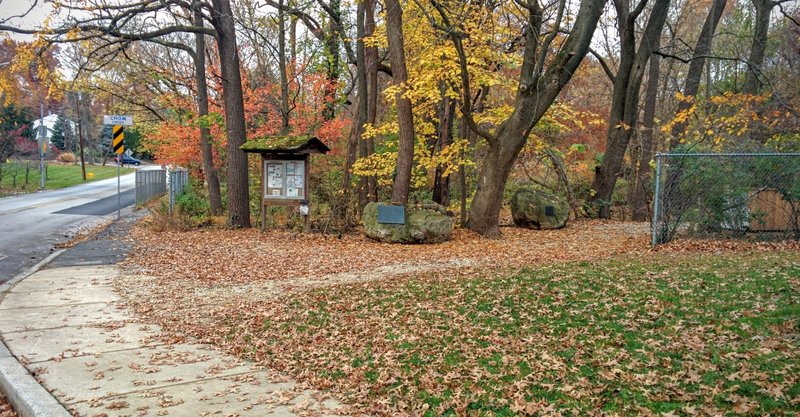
(32, 224)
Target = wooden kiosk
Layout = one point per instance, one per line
(285, 169)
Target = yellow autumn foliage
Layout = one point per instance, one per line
(722, 120)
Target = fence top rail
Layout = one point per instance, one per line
(699, 154)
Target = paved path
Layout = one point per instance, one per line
(70, 330)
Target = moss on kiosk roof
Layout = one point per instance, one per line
(285, 144)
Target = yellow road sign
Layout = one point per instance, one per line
(118, 139)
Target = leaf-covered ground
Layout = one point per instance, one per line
(536, 322)
(246, 256)
(5, 408)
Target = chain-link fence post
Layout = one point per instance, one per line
(171, 191)
(656, 200)
(177, 183)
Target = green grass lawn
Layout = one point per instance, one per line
(665, 335)
(58, 176)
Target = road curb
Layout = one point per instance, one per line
(26, 395)
(30, 271)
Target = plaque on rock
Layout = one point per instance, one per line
(391, 214)
(549, 211)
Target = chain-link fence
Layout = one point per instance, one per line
(746, 195)
(177, 183)
(150, 183)
(156, 182)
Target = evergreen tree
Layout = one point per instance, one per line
(105, 140)
(57, 138)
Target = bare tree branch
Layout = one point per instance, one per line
(603, 64)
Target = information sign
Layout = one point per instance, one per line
(284, 179)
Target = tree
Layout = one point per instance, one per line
(361, 112)
(366, 147)
(697, 63)
(14, 129)
(625, 97)
(210, 171)
(405, 115)
(646, 151)
(57, 137)
(238, 196)
(758, 47)
(541, 79)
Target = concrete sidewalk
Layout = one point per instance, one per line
(68, 328)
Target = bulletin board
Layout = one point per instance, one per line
(285, 179)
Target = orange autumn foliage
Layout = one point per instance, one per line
(176, 141)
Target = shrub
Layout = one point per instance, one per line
(191, 207)
(67, 157)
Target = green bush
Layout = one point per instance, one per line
(191, 206)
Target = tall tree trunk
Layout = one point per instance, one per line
(293, 44)
(537, 90)
(488, 200)
(671, 206)
(282, 64)
(355, 143)
(441, 183)
(237, 175)
(625, 97)
(363, 182)
(695, 72)
(405, 116)
(212, 179)
(639, 198)
(758, 48)
(332, 64)
(371, 65)
(463, 131)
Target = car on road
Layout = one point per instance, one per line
(129, 160)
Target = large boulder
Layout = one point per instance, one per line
(538, 209)
(428, 223)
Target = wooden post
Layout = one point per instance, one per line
(306, 186)
(263, 190)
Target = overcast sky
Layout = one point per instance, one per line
(32, 20)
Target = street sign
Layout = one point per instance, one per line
(118, 144)
(118, 140)
(113, 119)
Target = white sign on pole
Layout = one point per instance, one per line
(117, 120)
(113, 119)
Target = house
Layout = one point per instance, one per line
(49, 123)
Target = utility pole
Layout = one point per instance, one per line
(80, 132)
(42, 146)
